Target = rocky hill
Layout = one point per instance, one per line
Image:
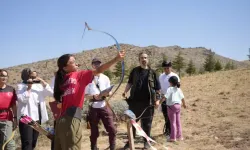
(197, 54)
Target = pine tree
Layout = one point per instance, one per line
(209, 63)
(109, 74)
(118, 69)
(201, 70)
(179, 63)
(233, 66)
(227, 66)
(191, 68)
(217, 66)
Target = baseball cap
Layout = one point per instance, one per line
(96, 60)
(166, 64)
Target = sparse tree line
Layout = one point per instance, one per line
(210, 65)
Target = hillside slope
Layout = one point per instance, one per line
(198, 55)
(217, 117)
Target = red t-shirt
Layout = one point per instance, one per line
(7, 100)
(74, 88)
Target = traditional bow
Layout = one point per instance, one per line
(11, 137)
(118, 48)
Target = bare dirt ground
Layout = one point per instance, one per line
(218, 116)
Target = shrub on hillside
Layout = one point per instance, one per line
(119, 106)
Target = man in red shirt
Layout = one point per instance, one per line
(8, 120)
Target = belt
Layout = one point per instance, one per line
(3, 110)
(75, 112)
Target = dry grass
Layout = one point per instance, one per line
(219, 107)
(217, 117)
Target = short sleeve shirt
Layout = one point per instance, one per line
(74, 87)
(103, 82)
(174, 95)
(163, 78)
(8, 98)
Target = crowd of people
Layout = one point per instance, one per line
(71, 86)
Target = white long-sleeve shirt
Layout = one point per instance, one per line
(28, 101)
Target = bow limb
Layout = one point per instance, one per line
(118, 48)
(144, 111)
(11, 137)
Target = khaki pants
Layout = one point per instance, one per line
(5, 133)
(68, 134)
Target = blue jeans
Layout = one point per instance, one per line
(5, 133)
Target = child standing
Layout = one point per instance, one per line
(174, 98)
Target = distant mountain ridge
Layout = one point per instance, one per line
(198, 54)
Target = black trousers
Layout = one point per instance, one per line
(29, 136)
(53, 140)
(166, 128)
(146, 125)
(146, 119)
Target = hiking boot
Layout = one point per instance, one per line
(94, 147)
(166, 131)
(126, 146)
(112, 147)
(146, 145)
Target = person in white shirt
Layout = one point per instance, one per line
(163, 79)
(175, 98)
(99, 110)
(52, 83)
(31, 96)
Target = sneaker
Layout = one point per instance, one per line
(180, 139)
(171, 140)
(94, 147)
(126, 146)
(112, 147)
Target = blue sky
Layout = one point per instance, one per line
(31, 30)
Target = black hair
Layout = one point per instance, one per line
(166, 64)
(25, 75)
(174, 81)
(3, 70)
(59, 78)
